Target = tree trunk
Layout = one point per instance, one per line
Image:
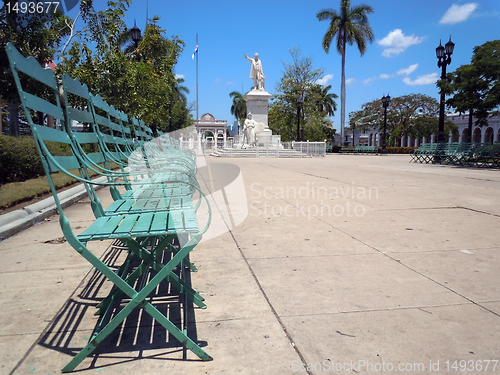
(50, 121)
(41, 116)
(14, 118)
(342, 96)
(1, 127)
(469, 137)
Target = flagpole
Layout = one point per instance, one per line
(197, 117)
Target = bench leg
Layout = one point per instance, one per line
(138, 299)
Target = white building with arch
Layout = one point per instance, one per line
(480, 134)
(208, 123)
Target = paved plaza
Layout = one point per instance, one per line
(344, 264)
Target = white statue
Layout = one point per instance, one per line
(257, 73)
(249, 130)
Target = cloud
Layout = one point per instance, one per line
(407, 71)
(230, 83)
(217, 80)
(458, 13)
(323, 81)
(427, 79)
(349, 81)
(369, 81)
(177, 76)
(400, 72)
(397, 42)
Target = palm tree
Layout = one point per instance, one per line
(180, 90)
(177, 94)
(349, 25)
(239, 106)
(326, 103)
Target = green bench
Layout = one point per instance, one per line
(147, 233)
(424, 154)
(488, 155)
(360, 150)
(458, 153)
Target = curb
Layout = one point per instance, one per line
(19, 220)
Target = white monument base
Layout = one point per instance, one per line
(257, 105)
(264, 138)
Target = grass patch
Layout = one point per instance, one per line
(18, 192)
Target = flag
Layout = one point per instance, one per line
(195, 50)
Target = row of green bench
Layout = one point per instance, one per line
(360, 150)
(157, 201)
(458, 153)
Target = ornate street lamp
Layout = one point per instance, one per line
(385, 103)
(443, 55)
(135, 34)
(299, 108)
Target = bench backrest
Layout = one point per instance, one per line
(44, 97)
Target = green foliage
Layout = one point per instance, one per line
(36, 34)
(487, 60)
(299, 82)
(408, 115)
(239, 106)
(350, 26)
(139, 81)
(19, 158)
(475, 88)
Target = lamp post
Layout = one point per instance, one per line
(135, 33)
(299, 108)
(443, 55)
(385, 103)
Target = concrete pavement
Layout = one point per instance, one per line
(357, 263)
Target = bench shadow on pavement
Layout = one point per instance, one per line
(138, 334)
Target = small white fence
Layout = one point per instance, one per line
(316, 149)
(281, 149)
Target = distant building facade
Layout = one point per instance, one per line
(208, 123)
(480, 134)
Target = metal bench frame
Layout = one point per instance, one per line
(158, 228)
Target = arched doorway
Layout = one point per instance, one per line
(465, 135)
(488, 135)
(208, 138)
(476, 135)
(220, 140)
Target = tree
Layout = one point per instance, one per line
(350, 25)
(487, 60)
(413, 115)
(33, 34)
(179, 116)
(476, 87)
(326, 100)
(467, 86)
(238, 107)
(299, 82)
(140, 80)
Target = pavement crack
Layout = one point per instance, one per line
(263, 292)
(344, 334)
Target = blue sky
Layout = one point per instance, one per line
(400, 61)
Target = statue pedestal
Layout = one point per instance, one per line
(264, 138)
(257, 105)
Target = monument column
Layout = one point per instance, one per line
(257, 105)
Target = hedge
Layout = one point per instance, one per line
(398, 150)
(19, 159)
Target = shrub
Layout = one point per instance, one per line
(19, 159)
(397, 150)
